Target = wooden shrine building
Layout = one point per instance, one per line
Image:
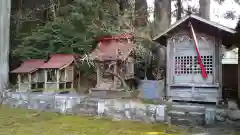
(194, 68)
(113, 54)
(59, 72)
(29, 75)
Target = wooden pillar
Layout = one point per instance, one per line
(73, 71)
(58, 79)
(45, 79)
(98, 74)
(115, 78)
(37, 78)
(218, 74)
(19, 81)
(65, 78)
(29, 81)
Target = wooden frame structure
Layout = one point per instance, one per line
(184, 79)
(60, 72)
(29, 75)
(113, 57)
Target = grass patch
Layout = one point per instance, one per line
(150, 101)
(27, 122)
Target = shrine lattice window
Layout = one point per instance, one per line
(190, 65)
(183, 65)
(208, 64)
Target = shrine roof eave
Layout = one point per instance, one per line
(225, 34)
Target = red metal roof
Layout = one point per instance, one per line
(29, 66)
(112, 50)
(59, 61)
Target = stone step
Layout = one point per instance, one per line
(176, 113)
(179, 113)
(187, 108)
(89, 103)
(187, 120)
(187, 114)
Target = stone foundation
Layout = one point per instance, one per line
(119, 109)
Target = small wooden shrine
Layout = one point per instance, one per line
(194, 55)
(60, 73)
(113, 55)
(29, 76)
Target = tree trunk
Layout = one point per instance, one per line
(5, 6)
(53, 10)
(162, 15)
(141, 13)
(123, 15)
(162, 20)
(179, 9)
(204, 10)
(124, 84)
(19, 16)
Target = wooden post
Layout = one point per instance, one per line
(98, 74)
(220, 51)
(19, 81)
(29, 81)
(65, 78)
(37, 79)
(58, 71)
(45, 79)
(115, 78)
(118, 53)
(73, 69)
(168, 71)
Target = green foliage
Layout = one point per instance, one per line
(72, 32)
(75, 29)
